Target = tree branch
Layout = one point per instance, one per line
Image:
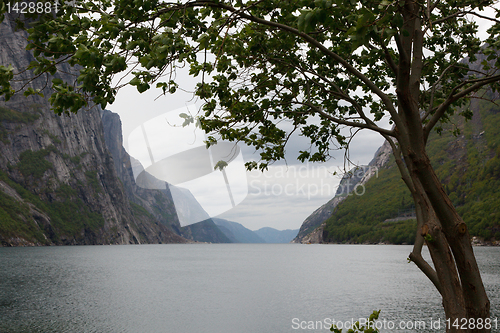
(423, 265)
(343, 96)
(307, 38)
(416, 254)
(463, 13)
(390, 62)
(454, 97)
(433, 91)
(349, 123)
(417, 63)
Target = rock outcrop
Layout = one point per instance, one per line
(314, 221)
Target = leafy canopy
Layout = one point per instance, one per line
(263, 64)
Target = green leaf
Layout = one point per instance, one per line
(203, 41)
(135, 81)
(142, 87)
(220, 165)
(188, 119)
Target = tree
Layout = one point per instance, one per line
(323, 66)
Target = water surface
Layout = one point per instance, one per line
(216, 287)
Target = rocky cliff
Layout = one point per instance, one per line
(158, 203)
(58, 181)
(311, 230)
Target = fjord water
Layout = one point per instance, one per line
(216, 287)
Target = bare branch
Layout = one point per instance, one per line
(460, 13)
(423, 265)
(343, 96)
(417, 63)
(463, 13)
(396, 151)
(390, 62)
(433, 91)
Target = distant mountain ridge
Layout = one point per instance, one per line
(205, 231)
(271, 235)
(237, 232)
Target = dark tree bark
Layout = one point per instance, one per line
(456, 274)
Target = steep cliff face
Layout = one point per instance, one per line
(356, 176)
(311, 230)
(159, 203)
(313, 224)
(58, 182)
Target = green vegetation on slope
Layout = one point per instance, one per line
(69, 215)
(33, 163)
(11, 116)
(15, 220)
(476, 190)
(360, 218)
(468, 165)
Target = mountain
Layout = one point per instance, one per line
(58, 182)
(173, 211)
(205, 231)
(236, 232)
(271, 235)
(468, 164)
(158, 203)
(356, 177)
(188, 208)
(347, 184)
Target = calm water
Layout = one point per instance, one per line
(216, 288)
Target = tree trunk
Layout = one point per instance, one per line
(446, 235)
(448, 283)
